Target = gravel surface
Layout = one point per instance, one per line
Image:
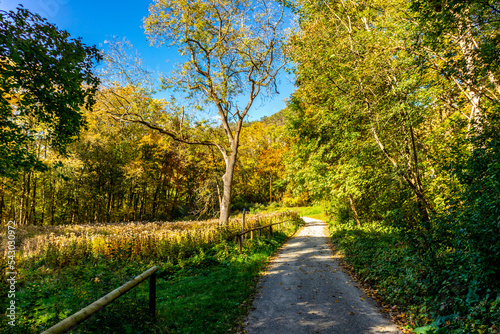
(305, 291)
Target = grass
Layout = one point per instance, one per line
(315, 211)
(215, 299)
(204, 289)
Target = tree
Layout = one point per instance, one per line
(260, 168)
(460, 41)
(358, 85)
(233, 51)
(45, 80)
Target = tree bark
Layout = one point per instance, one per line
(23, 194)
(33, 200)
(414, 184)
(270, 188)
(53, 204)
(468, 46)
(155, 198)
(227, 180)
(353, 208)
(44, 201)
(2, 203)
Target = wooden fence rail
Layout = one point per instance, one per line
(86, 312)
(259, 228)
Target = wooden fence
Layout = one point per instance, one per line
(85, 313)
(259, 228)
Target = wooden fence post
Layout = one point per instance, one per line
(243, 224)
(243, 221)
(239, 243)
(152, 295)
(73, 320)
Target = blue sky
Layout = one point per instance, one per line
(97, 21)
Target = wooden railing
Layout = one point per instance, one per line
(259, 228)
(85, 313)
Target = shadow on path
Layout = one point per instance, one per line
(305, 291)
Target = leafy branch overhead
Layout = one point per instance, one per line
(46, 79)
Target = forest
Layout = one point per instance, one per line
(393, 130)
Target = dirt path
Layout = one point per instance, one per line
(305, 291)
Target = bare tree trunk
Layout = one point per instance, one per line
(13, 208)
(23, 194)
(2, 203)
(353, 208)
(270, 188)
(73, 211)
(53, 205)
(141, 211)
(227, 179)
(468, 46)
(155, 198)
(27, 201)
(135, 204)
(12, 211)
(108, 206)
(33, 200)
(414, 183)
(413, 173)
(44, 191)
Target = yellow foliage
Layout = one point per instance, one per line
(66, 244)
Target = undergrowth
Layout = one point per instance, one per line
(428, 295)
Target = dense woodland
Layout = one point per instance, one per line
(117, 153)
(124, 172)
(395, 121)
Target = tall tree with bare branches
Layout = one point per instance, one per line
(233, 53)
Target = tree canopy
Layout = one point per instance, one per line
(394, 124)
(47, 79)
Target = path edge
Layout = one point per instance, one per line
(389, 312)
(240, 326)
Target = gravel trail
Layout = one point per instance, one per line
(305, 291)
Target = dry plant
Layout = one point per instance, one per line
(65, 245)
